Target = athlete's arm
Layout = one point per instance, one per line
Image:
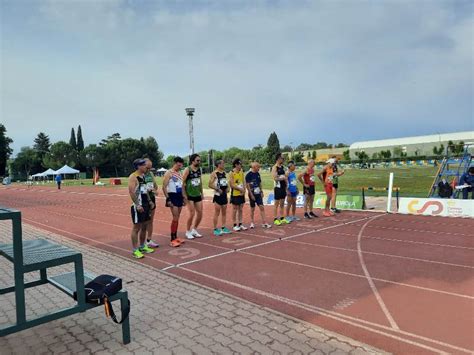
(275, 174)
(321, 173)
(231, 181)
(166, 180)
(132, 187)
(247, 184)
(341, 172)
(301, 178)
(185, 177)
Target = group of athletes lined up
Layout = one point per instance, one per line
(186, 188)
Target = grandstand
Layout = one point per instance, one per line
(411, 146)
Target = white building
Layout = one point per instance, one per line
(412, 146)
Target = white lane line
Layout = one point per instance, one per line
(360, 323)
(369, 278)
(358, 275)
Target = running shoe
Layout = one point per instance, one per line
(285, 221)
(226, 230)
(236, 228)
(175, 243)
(152, 244)
(243, 228)
(266, 225)
(196, 234)
(147, 250)
(181, 241)
(252, 226)
(307, 216)
(296, 219)
(218, 232)
(311, 214)
(137, 254)
(277, 222)
(189, 235)
(335, 210)
(327, 214)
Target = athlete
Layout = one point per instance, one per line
(194, 194)
(292, 193)
(307, 179)
(253, 182)
(140, 210)
(218, 182)
(175, 197)
(326, 176)
(152, 189)
(237, 194)
(280, 182)
(335, 184)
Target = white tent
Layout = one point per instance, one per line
(48, 172)
(162, 170)
(66, 170)
(37, 175)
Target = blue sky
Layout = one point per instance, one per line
(337, 71)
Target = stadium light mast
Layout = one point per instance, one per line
(190, 113)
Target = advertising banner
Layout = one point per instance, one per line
(437, 207)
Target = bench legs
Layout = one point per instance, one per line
(126, 323)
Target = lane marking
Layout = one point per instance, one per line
(384, 308)
(360, 323)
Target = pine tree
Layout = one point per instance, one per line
(80, 141)
(273, 147)
(72, 140)
(5, 149)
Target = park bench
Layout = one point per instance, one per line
(39, 255)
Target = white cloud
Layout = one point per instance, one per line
(311, 71)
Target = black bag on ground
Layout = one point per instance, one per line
(100, 289)
(445, 190)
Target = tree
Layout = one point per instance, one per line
(92, 157)
(347, 155)
(398, 152)
(362, 155)
(273, 147)
(152, 150)
(80, 140)
(438, 150)
(60, 153)
(286, 149)
(42, 145)
(313, 155)
(113, 138)
(5, 149)
(385, 154)
(25, 161)
(72, 139)
(341, 145)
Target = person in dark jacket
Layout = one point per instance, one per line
(467, 180)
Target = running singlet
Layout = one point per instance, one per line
(141, 191)
(254, 180)
(150, 183)
(221, 182)
(280, 173)
(335, 178)
(292, 182)
(308, 177)
(239, 181)
(193, 183)
(328, 175)
(175, 185)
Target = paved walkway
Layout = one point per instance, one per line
(169, 315)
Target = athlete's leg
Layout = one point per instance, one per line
(293, 207)
(142, 233)
(310, 199)
(252, 214)
(282, 207)
(198, 208)
(262, 214)
(217, 212)
(276, 204)
(241, 213)
(192, 212)
(134, 235)
(288, 205)
(235, 209)
(149, 227)
(224, 215)
(333, 198)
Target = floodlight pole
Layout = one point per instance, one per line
(190, 113)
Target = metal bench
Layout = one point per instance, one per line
(39, 255)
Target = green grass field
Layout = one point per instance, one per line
(412, 181)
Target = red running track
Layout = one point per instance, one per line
(401, 283)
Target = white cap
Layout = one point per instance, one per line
(331, 161)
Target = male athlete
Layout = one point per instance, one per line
(307, 179)
(175, 198)
(140, 209)
(327, 178)
(254, 187)
(280, 182)
(218, 182)
(335, 184)
(237, 194)
(292, 193)
(194, 194)
(152, 189)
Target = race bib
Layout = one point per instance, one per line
(143, 189)
(313, 178)
(282, 177)
(223, 182)
(179, 185)
(240, 186)
(256, 191)
(150, 186)
(196, 182)
(277, 184)
(293, 183)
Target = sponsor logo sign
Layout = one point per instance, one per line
(437, 207)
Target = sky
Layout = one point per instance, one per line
(334, 71)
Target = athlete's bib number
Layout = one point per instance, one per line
(150, 186)
(256, 191)
(293, 182)
(143, 189)
(312, 178)
(196, 182)
(223, 183)
(277, 184)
